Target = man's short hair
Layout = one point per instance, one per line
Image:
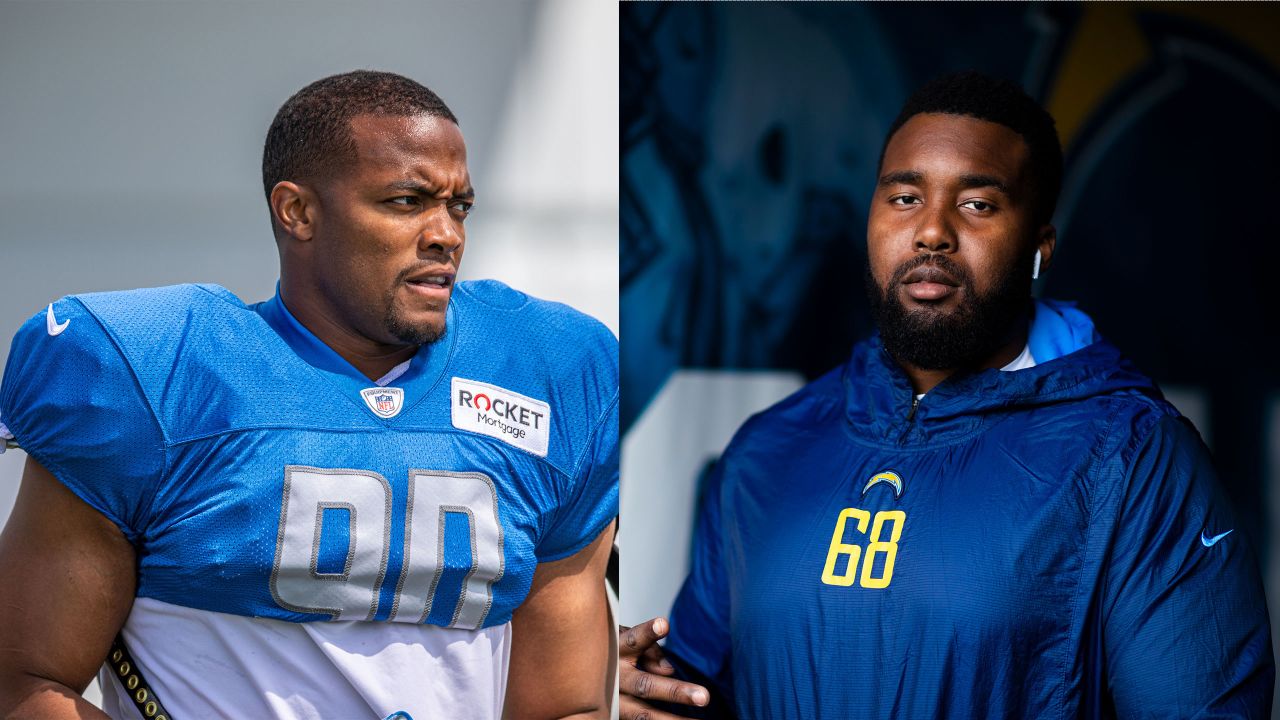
(312, 130)
(999, 101)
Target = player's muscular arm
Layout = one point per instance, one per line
(67, 579)
(560, 639)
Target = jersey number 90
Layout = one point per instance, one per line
(316, 500)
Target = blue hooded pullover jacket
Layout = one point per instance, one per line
(1044, 543)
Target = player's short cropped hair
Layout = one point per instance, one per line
(999, 101)
(312, 130)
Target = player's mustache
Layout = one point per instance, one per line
(942, 262)
(429, 265)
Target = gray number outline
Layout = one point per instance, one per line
(351, 541)
(438, 572)
(333, 613)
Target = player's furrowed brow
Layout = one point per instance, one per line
(410, 186)
(902, 177)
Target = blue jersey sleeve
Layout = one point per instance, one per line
(592, 496)
(73, 403)
(1184, 618)
(699, 636)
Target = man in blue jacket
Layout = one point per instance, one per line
(987, 512)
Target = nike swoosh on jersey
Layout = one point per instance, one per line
(1210, 541)
(51, 323)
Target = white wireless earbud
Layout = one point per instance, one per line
(1035, 267)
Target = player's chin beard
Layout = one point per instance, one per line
(407, 332)
(961, 339)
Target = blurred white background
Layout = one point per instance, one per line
(131, 138)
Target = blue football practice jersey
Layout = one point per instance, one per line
(259, 474)
(1045, 543)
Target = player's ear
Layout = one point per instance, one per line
(1046, 241)
(293, 208)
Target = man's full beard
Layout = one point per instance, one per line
(964, 338)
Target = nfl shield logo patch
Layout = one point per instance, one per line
(385, 402)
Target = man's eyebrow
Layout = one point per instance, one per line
(417, 187)
(969, 182)
(902, 177)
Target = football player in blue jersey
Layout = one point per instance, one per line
(987, 512)
(379, 493)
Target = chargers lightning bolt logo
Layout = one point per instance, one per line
(889, 477)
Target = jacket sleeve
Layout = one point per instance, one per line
(1185, 626)
(699, 636)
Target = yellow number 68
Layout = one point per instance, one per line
(839, 547)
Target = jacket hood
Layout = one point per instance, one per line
(1072, 363)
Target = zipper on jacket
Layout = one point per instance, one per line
(909, 425)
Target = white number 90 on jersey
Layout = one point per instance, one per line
(361, 500)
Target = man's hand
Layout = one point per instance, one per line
(646, 674)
